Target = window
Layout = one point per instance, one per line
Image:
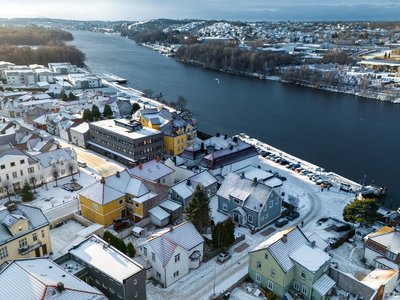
(250, 219)
(266, 256)
(12, 164)
(236, 201)
(158, 275)
(271, 203)
(7, 177)
(119, 295)
(23, 243)
(178, 143)
(31, 170)
(224, 207)
(262, 218)
(259, 265)
(176, 274)
(135, 282)
(270, 285)
(145, 251)
(272, 273)
(304, 289)
(153, 256)
(22, 161)
(20, 228)
(2, 167)
(391, 255)
(296, 286)
(137, 205)
(3, 252)
(14, 174)
(112, 290)
(136, 294)
(303, 275)
(177, 257)
(177, 196)
(42, 233)
(22, 172)
(121, 201)
(62, 163)
(90, 277)
(34, 236)
(104, 286)
(129, 198)
(97, 281)
(95, 206)
(277, 200)
(62, 172)
(258, 277)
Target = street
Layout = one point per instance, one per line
(61, 210)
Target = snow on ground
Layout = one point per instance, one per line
(54, 196)
(217, 216)
(63, 235)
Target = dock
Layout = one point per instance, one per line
(113, 78)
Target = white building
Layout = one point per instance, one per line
(63, 68)
(83, 81)
(173, 252)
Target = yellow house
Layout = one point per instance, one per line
(179, 131)
(117, 196)
(25, 233)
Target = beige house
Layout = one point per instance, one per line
(24, 232)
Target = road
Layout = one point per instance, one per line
(104, 166)
(61, 210)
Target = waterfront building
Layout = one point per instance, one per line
(106, 268)
(179, 130)
(125, 140)
(24, 232)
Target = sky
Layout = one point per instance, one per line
(232, 10)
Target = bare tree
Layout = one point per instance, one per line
(149, 93)
(71, 168)
(8, 186)
(56, 173)
(33, 180)
(182, 102)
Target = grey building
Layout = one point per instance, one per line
(115, 274)
(124, 108)
(249, 202)
(125, 140)
(80, 134)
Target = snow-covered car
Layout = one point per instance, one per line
(224, 256)
(281, 222)
(82, 164)
(293, 215)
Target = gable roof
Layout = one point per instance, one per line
(151, 170)
(311, 258)
(389, 240)
(186, 188)
(324, 284)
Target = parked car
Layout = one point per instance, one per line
(293, 215)
(281, 222)
(289, 165)
(224, 256)
(298, 170)
(304, 172)
(341, 227)
(264, 153)
(326, 184)
(295, 166)
(284, 162)
(315, 178)
(82, 164)
(119, 226)
(281, 177)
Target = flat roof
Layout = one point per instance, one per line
(109, 125)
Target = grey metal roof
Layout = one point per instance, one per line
(36, 220)
(324, 284)
(321, 244)
(390, 240)
(47, 157)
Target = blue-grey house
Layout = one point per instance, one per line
(248, 202)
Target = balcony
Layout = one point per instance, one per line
(26, 250)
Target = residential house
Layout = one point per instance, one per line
(120, 195)
(289, 261)
(83, 81)
(383, 281)
(172, 253)
(53, 120)
(265, 177)
(24, 232)
(106, 268)
(123, 108)
(41, 278)
(33, 113)
(126, 141)
(248, 202)
(381, 248)
(80, 134)
(155, 171)
(179, 130)
(182, 192)
(64, 128)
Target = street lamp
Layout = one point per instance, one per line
(364, 181)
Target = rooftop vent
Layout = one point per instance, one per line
(254, 181)
(217, 135)
(60, 286)
(117, 174)
(284, 238)
(313, 244)
(226, 136)
(188, 181)
(103, 180)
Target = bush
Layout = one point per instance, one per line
(115, 242)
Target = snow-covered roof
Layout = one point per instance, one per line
(378, 277)
(37, 278)
(387, 262)
(143, 261)
(390, 240)
(85, 232)
(186, 187)
(311, 258)
(151, 170)
(170, 205)
(48, 157)
(97, 253)
(324, 284)
(81, 128)
(159, 213)
(64, 250)
(251, 172)
(321, 244)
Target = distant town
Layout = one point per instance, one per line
(108, 192)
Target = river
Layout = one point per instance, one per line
(353, 136)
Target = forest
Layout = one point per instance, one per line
(32, 36)
(228, 57)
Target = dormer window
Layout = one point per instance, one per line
(20, 228)
(236, 201)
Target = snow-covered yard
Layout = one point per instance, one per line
(64, 235)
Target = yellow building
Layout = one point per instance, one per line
(24, 233)
(117, 196)
(179, 131)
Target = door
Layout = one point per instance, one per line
(123, 213)
(37, 252)
(44, 249)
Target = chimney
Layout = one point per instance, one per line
(117, 174)
(242, 175)
(254, 181)
(174, 160)
(202, 146)
(171, 229)
(284, 238)
(26, 132)
(235, 139)
(231, 147)
(312, 244)
(158, 159)
(60, 286)
(217, 135)
(140, 166)
(103, 180)
(226, 136)
(188, 181)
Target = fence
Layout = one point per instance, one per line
(231, 288)
(74, 216)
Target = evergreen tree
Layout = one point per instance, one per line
(228, 232)
(95, 112)
(361, 211)
(217, 235)
(199, 210)
(87, 115)
(26, 192)
(64, 97)
(131, 250)
(72, 96)
(135, 107)
(107, 111)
